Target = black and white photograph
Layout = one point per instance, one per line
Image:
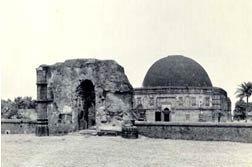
(126, 83)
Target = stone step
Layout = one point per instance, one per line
(108, 133)
(103, 131)
(99, 133)
(91, 132)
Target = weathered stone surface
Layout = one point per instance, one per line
(186, 104)
(29, 114)
(237, 132)
(70, 94)
(176, 70)
(18, 126)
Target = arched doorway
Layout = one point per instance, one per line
(167, 117)
(86, 115)
(141, 113)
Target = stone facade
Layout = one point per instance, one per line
(176, 104)
(80, 94)
(178, 89)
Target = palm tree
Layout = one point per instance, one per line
(245, 90)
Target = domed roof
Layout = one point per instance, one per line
(176, 71)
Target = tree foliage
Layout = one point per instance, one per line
(24, 102)
(240, 110)
(9, 108)
(244, 90)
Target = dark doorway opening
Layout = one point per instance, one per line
(167, 115)
(157, 116)
(141, 113)
(86, 116)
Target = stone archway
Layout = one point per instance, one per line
(141, 113)
(71, 94)
(86, 115)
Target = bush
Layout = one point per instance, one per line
(9, 108)
(240, 109)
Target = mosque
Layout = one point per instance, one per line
(178, 89)
(88, 93)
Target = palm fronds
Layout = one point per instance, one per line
(244, 90)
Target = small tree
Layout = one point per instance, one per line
(8, 109)
(24, 102)
(240, 110)
(245, 90)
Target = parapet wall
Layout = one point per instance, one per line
(237, 132)
(17, 126)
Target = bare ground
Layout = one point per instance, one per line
(80, 151)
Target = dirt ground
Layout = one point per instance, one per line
(80, 151)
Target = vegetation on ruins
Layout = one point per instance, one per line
(9, 108)
(244, 91)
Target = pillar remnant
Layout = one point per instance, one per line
(42, 120)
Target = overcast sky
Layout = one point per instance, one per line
(136, 33)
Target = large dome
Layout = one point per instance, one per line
(176, 71)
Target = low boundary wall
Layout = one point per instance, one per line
(237, 132)
(17, 126)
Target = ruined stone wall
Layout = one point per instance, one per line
(113, 93)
